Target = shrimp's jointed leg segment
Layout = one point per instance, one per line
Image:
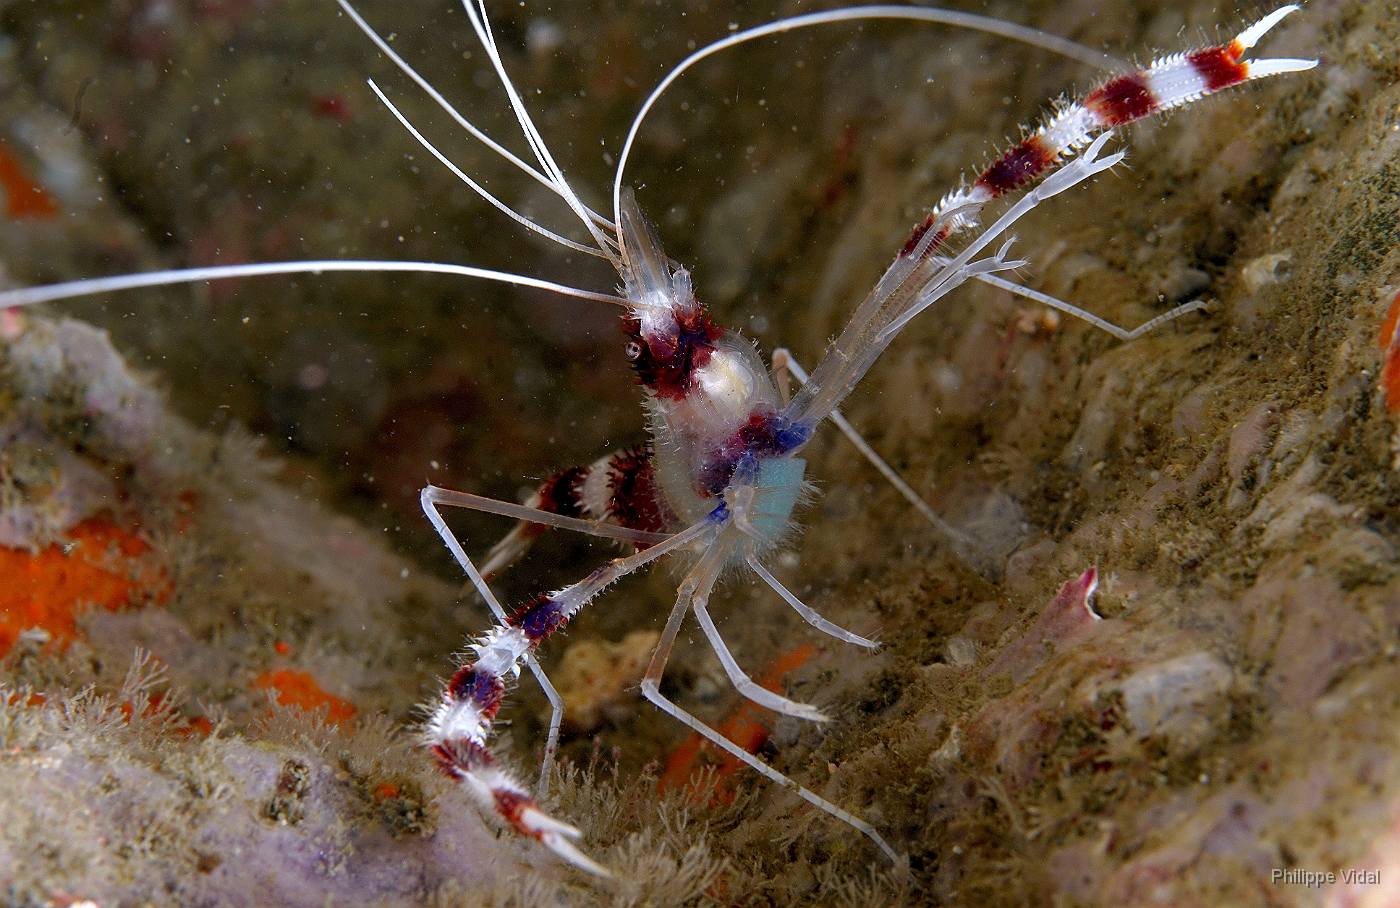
(459, 726)
(694, 592)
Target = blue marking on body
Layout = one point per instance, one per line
(792, 435)
(778, 486)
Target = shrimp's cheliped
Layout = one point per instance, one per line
(722, 473)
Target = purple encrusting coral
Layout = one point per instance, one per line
(317, 857)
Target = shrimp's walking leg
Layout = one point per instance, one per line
(808, 613)
(432, 497)
(461, 721)
(1123, 334)
(963, 544)
(696, 589)
(745, 685)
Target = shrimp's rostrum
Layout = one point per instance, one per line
(718, 479)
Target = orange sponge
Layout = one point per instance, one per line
(1389, 342)
(100, 565)
(300, 689)
(746, 726)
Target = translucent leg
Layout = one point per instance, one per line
(535, 515)
(965, 545)
(432, 497)
(807, 612)
(699, 582)
(745, 685)
(1122, 334)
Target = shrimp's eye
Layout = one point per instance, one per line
(633, 349)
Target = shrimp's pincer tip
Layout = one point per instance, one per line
(557, 836)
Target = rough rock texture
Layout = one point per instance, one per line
(230, 730)
(1228, 707)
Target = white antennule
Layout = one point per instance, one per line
(48, 293)
(477, 187)
(1010, 30)
(451, 111)
(477, 13)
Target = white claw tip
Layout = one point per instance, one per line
(1275, 66)
(538, 823)
(555, 836)
(566, 850)
(1250, 36)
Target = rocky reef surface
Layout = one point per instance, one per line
(1169, 677)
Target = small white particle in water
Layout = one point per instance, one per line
(543, 38)
(312, 376)
(948, 378)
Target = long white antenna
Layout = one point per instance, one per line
(442, 102)
(28, 296)
(477, 187)
(477, 14)
(1023, 33)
